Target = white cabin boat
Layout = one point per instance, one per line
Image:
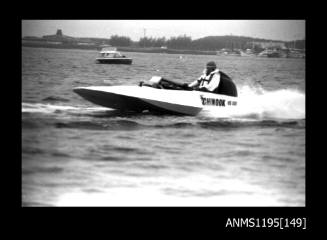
(110, 55)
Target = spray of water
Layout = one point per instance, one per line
(255, 103)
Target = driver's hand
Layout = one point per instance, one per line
(185, 85)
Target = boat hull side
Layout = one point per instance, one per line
(114, 61)
(128, 103)
(174, 108)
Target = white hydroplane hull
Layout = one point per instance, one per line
(137, 98)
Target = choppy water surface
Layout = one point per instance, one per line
(75, 153)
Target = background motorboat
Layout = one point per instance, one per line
(112, 56)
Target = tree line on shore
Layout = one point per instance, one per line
(183, 42)
(211, 43)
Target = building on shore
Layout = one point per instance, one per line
(60, 39)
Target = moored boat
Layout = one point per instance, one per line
(248, 53)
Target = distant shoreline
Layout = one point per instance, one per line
(122, 49)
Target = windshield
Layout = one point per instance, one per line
(111, 55)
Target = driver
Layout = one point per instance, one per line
(215, 81)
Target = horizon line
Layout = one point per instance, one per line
(231, 35)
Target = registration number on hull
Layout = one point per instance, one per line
(217, 102)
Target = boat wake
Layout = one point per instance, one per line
(53, 109)
(259, 104)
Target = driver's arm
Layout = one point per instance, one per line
(194, 84)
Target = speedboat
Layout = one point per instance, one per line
(112, 56)
(159, 95)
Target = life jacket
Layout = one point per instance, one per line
(207, 78)
(226, 85)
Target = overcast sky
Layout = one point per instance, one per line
(285, 30)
